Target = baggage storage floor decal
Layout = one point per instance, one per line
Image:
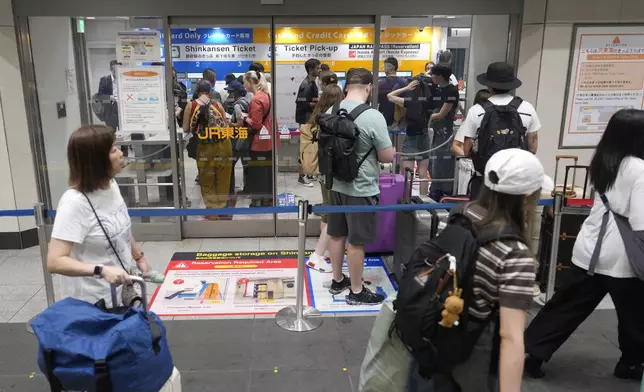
(250, 283)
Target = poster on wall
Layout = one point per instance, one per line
(141, 99)
(606, 75)
(138, 46)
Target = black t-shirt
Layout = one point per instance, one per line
(306, 94)
(449, 94)
(416, 112)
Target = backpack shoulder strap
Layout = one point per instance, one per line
(515, 103)
(336, 108)
(355, 113)
(487, 106)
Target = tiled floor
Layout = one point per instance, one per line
(21, 275)
(257, 355)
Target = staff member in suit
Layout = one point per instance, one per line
(108, 91)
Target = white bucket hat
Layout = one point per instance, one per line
(516, 172)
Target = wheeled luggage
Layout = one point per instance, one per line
(85, 347)
(391, 191)
(414, 227)
(574, 213)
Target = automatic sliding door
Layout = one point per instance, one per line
(218, 171)
(345, 44)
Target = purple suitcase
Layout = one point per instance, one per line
(391, 192)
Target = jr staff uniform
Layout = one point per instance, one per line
(572, 304)
(470, 126)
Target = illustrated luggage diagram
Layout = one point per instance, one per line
(89, 347)
(419, 226)
(258, 290)
(204, 291)
(391, 191)
(574, 213)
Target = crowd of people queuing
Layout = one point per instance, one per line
(503, 190)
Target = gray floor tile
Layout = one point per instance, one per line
(354, 335)
(207, 345)
(29, 252)
(267, 330)
(18, 349)
(229, 244)
(24, 383)
(7, 253)
(21, 270)
(314, 380)
(279, 243)
(303, 354)
(36, 305)
(187, 245)
(14, 298)
(229, 381)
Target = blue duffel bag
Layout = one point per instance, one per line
(85, 347)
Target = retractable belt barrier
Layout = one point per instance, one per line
(298, 318)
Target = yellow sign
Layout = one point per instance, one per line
(223, 133)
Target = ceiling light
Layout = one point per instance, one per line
(451, 17)
(90, 17)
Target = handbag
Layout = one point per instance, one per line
(131, 295)
(386, 363)
(245, 145)
(632, 244)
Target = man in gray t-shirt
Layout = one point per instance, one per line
(361, 228)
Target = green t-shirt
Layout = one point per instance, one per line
(373, 132)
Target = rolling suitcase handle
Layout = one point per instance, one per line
(575, 158)
(407, 184)
(582, 201)
(135, 280)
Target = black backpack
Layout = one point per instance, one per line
(501, 128)
(337, 142)
(427, 282)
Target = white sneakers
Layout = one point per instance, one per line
(319, 263)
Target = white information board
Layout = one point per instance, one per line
(141, 99)
(607, 74)
(138, 46)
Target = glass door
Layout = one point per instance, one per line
(308, 53)
(211, 58)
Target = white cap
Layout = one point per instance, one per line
(516, 172)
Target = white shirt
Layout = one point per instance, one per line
(625, 198)
(114, 86)
(75, 222)
(470, 126)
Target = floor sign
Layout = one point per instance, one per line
(247, 283)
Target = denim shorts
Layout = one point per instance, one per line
(413, 144)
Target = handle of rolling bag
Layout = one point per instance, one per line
(575, 158)
(407, 184)
(154, 328)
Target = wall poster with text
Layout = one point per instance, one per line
(606, 75)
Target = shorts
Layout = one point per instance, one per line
(360, 228)
(413, 144)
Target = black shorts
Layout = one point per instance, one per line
(360, 228)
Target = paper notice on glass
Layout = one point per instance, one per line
(607, 74)
(138, 46)
(141, 99)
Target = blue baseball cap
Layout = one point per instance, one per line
(235, 86)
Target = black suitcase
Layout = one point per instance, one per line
(415, 227)
(574, 213)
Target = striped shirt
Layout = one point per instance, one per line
(505, 276)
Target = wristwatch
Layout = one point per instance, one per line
(98, 270)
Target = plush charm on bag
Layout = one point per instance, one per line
(454, 304)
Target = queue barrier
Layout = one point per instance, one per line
(297, 318)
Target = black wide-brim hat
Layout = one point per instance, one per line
(499, 76)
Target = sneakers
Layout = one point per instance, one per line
(532, 366)
(338, 287)
(319, 263)
(365, 297)
(627, 371)
(304, 181)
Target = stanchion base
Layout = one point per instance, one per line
(287, 319)
(30, 329)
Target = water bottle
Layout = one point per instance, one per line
(150, 276)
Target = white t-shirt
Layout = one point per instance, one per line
(470, 126)
(75, 222)
(625, 198)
